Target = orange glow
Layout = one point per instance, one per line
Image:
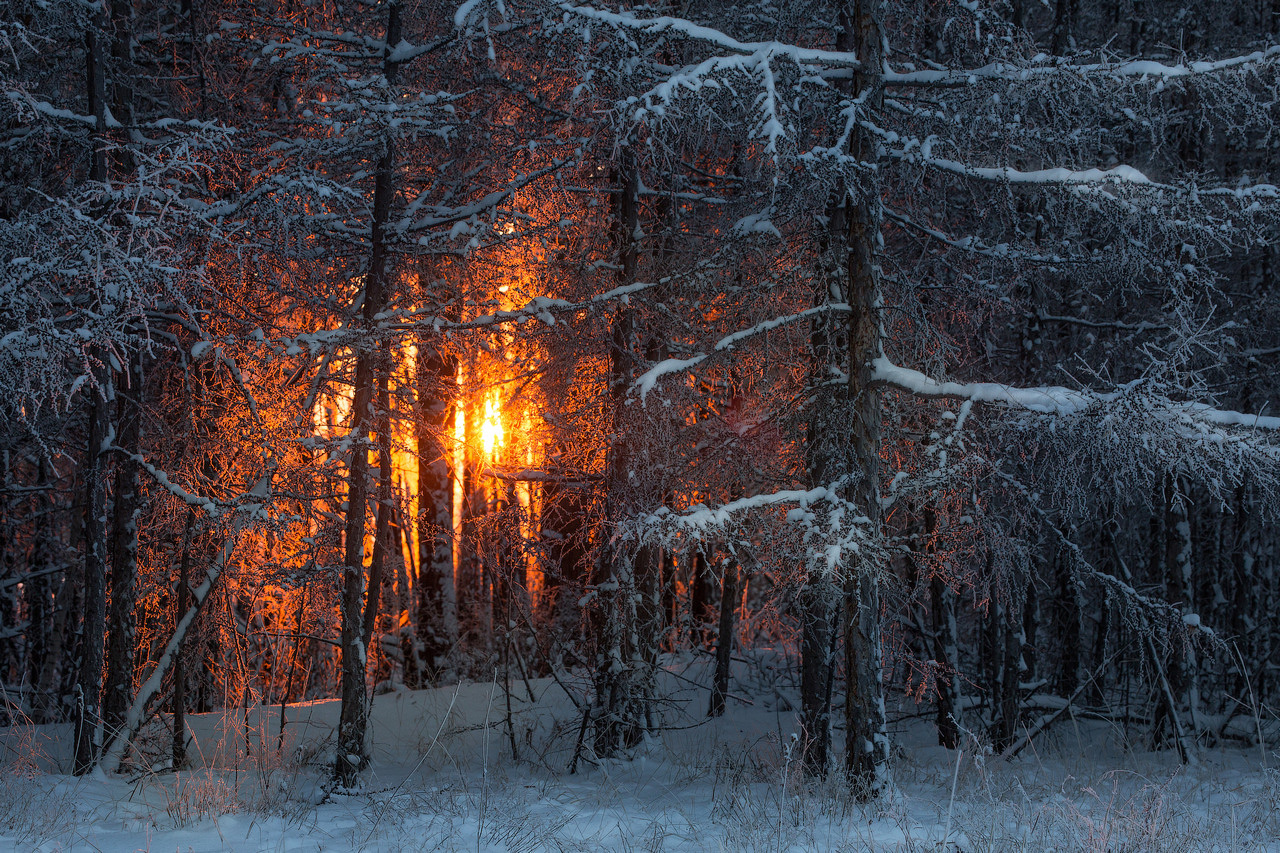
(491, 432)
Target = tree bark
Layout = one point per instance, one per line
(39, 600)
(621, 672)
(724, 637)
(94, 625)
(182, 598)
(866, 734)
(127, 506)
(436, 631)
(353, 752)
(88, 739)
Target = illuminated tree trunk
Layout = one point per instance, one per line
(866, 736)
(436, 631)
(121, 635)
(353, 752)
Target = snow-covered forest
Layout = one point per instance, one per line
(465, 425)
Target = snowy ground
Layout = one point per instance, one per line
(444, 780)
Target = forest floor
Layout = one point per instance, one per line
(443, 778)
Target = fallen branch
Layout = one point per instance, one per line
(110, 761)
(1045, 722)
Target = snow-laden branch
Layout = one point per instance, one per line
(650, 377)
(976, 246)
(697, 32)
(1141, 68)
(1053, 400)
(151, 687)
(249, 503)
(452, 216)
(839, 529)
(998, 71)
(759, 64)
(543, 308)
(913, 151)
(701, 518)
(1116, 175)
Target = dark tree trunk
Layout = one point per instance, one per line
(1068, 625)
(127, 507)
(436, 373)
(182, 601)
(42, 634)
(383, 542)
(353, 754)
(946, 652)
(699, 598)
(563, 529)
(1178, 556)
(724, 637)
(88, 739)
(819, 601)
(94, 625)
(622, 674)
(866, 733)
(1063, 25)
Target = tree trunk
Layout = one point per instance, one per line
(39, 601)
(563, 528)
(436, 630)
(121, 636)
(724, 637)
(1178, 591)
(866, 734)
(699, 598)
(151, 687)
(353, 754)
(382, 539)
(182, 601)
(1008, 696)
(88, 739)
(622, 690)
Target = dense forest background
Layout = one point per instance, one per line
(926, 349)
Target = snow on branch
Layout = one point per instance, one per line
(771, 126)
(697, 32)
(913, 151)
(841, 528)
(543, 308)
(975, 245)
(1056, 400)
(651, 376)
(451, 216)
(151, 687)
(1141, 68)
(1116, 175)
